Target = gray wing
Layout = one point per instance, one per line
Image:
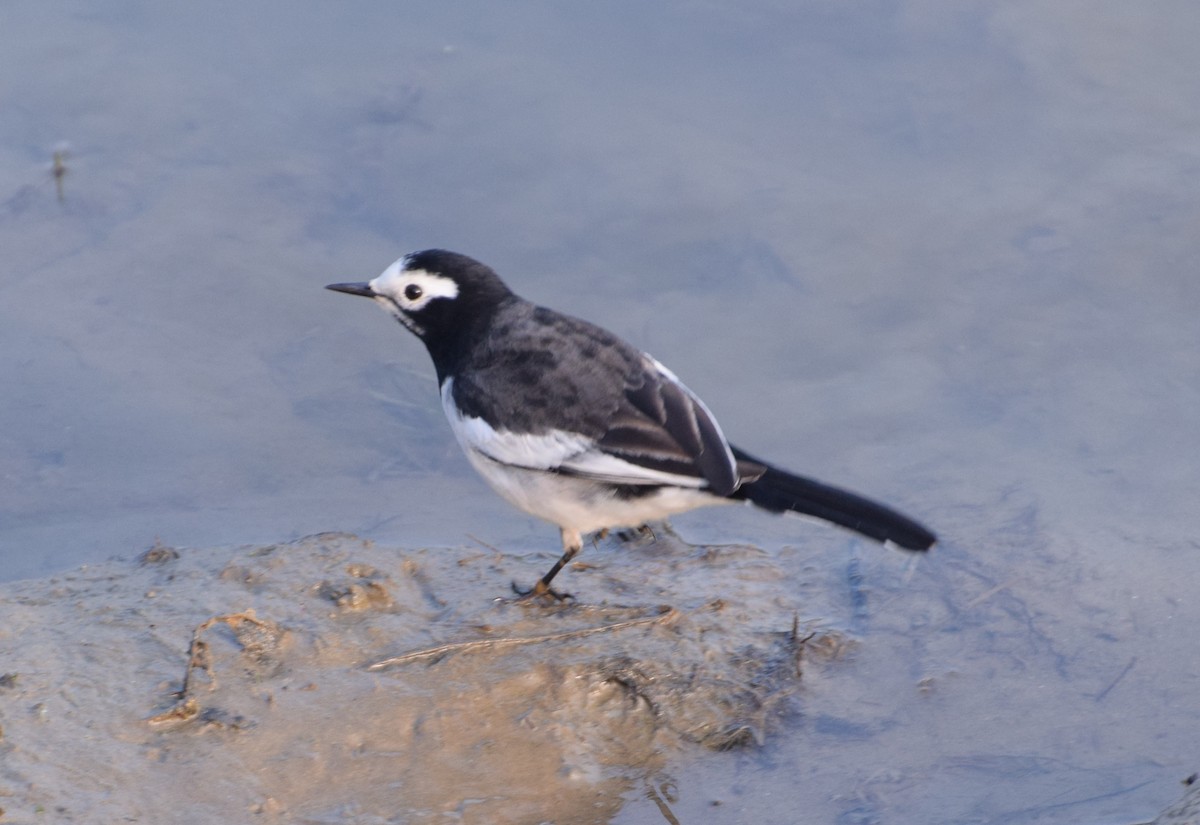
(663, 426)
(558, 377)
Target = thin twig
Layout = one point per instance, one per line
(987, 594)
(491, 547)
(663, 808)
(665, 615)
(1100, 696)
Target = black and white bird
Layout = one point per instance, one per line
(577, 427)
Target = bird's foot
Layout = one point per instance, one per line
(632, 534)
(540, 592)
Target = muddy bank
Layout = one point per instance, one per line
(334, 680)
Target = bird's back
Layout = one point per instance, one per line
(538, 369)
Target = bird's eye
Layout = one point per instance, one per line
(412, 292)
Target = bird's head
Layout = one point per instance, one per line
(436, 294)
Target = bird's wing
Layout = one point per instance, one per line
(660, 433)
(553, 450)
(662, 427)
(563, 394)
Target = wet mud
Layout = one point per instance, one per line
(332, 680)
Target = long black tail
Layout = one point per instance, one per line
(779, 492)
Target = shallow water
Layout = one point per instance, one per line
(945, 256)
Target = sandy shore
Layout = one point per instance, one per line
(335, 680)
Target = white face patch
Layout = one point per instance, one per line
(405, 293)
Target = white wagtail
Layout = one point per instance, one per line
(575, 426)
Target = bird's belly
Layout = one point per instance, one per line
(585, 504)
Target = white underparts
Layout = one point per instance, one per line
(562, 478)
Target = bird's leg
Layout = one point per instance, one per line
(572, 544)
(634, 533)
